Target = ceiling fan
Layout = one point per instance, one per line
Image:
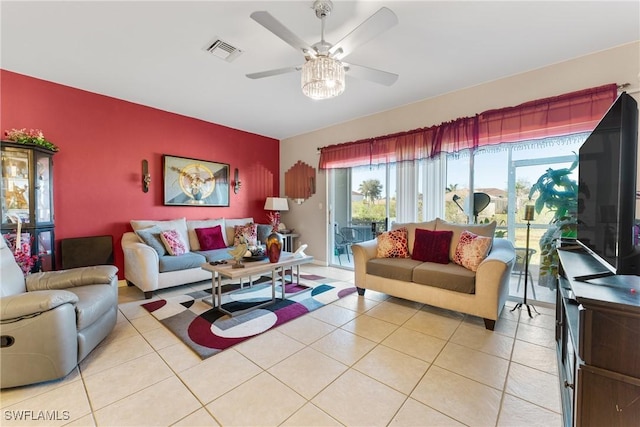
(323, 72)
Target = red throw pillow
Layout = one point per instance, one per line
(210, 238)
(432, 246)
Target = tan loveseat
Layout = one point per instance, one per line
(150, 271)
(450, 286)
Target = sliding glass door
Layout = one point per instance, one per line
(523, 174)
(362, 202)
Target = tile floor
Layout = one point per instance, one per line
(358, 362)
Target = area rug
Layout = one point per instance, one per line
(208, 331)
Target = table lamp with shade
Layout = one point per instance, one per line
(275, 205)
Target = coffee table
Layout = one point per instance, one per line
(255, 268)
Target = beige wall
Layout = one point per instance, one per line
(310, 219)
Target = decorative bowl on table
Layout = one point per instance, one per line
(256, 253)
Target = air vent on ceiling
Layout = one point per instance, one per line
(223, 50)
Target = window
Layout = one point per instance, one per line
(501, 177)
(493, 183)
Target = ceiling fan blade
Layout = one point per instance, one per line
(376, 24)
(275, 72)
(371, 74)
(272, 24)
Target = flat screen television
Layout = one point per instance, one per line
(607, 189)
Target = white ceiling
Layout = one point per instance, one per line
(153, 52)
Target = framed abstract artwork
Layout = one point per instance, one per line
(193, 182)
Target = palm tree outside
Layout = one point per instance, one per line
(371, 189)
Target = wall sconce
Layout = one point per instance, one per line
(236, 181)
(146, 177)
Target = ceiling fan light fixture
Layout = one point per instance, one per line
(322, 77)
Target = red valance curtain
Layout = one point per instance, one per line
(347, 155)
(401, 146)
(458, 135)
(561, 115)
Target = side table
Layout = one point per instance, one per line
(287, 241)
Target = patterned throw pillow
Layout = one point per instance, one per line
(173, 242)
(393, 244)
(249, 231)
(210, 238)
(230, 228)
(486, 230)
(471, 250)
(432, 246)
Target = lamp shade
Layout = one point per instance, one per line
(276, 204)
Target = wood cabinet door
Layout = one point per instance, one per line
(607, 399)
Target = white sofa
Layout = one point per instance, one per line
(147, 270)
(489, 284)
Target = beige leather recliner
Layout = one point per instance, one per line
(51, 321)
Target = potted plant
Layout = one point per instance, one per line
(558, 193)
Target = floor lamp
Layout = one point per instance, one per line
(528, 216)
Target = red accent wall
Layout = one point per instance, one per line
(103, 140)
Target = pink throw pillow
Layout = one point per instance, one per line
(173, 242)
(393, 244)
(472, 250)
(432, 246)
(210, 238)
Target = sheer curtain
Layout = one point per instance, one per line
(407, 191)
(434, 184)
(433, 187)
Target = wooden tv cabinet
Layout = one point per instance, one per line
(598, 344)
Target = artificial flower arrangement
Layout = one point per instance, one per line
(20, 245)
(274, 220)
(22, 253)
(31, 136)
(23, 257)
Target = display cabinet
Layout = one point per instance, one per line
(26, 196)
